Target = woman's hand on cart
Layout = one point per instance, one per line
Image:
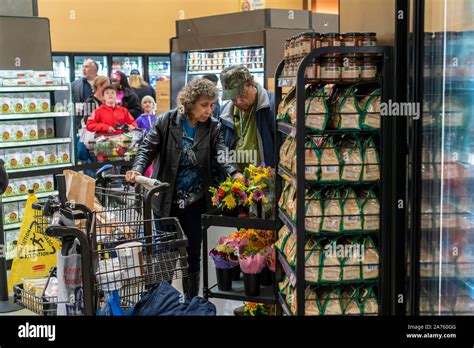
(134, 177)
(131, 175)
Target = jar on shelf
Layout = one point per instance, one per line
(351, 67)
(287, 49)
(292, 47)
(331, 40)
(297, 49)
(351, 39)
(368, 39)
(311, 71)
(330, 70)
(368, 67)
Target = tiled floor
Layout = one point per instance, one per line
(224, 307)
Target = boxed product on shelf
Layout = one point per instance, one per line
(44, 102)
(39, 156)
(8, 132)
(10, 213)
(5, 103)
(63, 153)
(12, 159)
(41, 128)
(21, 186)
(26, 157)
(50, 132)
(10, 189)
(21, 210)
(35, 184)
(22, 82)
(43, 74)
(14, 74)
(48, 181)
(30, 129)
(17, 103)
(51, 154)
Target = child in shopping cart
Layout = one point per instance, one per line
(109, 118)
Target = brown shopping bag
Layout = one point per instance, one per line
(80, 188)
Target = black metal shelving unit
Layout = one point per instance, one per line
(214, 218)
(300, 132)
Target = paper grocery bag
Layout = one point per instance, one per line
(80, 188)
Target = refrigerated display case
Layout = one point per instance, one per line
(128, 63)
(442, 229)
(158, 69)
(62, 67)
(101, 61)
(252, 38)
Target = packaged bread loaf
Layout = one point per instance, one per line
(352, 210)
(332, 221)
(314, 212)
(283, 284)
(317, 111)
(331, 263)
(311, 303)
(347, 111)
(291, 256)
(289, 244)
(370, 209)
(352, 259)
(370, 261)
(368, 301)
(290, 206)
(285, 158)
(313, 255)
(350, 154)
(292, 111)
(330, 163)
(283, 197)
(311, 161)
(283, 235)
(350, 301)
(371, 169)
(330, 302)
(370, 106)
(290, 154)
(284, 105)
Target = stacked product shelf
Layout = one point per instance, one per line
(330, 153)
(36, 140)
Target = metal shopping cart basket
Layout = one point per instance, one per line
(124, 249)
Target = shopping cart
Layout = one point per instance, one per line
(124, 249)
(118, 146)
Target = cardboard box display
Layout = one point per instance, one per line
(39, 156)
(26, 157)
(31, 129)
(10, 213)
(50, 128)
(10, 190)
(21, 210)
(15, 82)
(41, 128)
(15, 74)
(44, 102)
(35, 184)
(43, 74)
(51, 154)
(19, 132)
(63, 153)
(12, 159)
(48, 181)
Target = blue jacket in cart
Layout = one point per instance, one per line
(164, 300)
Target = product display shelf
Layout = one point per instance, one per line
(298, 180)
(32, 116)
(34, 88)
(213, 218)
(217, 72)
(24, 197)
(62, 121)
(51, 141)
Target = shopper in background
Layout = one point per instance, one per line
(109, 115)
(140, 86)
(146, 120)
(217, 107)
(125, 96)
(248, 117)
(91, 103)
(183, 143)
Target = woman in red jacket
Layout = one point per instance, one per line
(108, 116)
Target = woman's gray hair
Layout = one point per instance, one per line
(191, 93)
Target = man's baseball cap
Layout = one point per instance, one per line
(233, 79)
(134, 72)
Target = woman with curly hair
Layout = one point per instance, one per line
(184, 145)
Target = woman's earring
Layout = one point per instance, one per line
(181, 109)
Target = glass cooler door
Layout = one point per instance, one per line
(446, 269)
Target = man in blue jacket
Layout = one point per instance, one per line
(247, 118)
